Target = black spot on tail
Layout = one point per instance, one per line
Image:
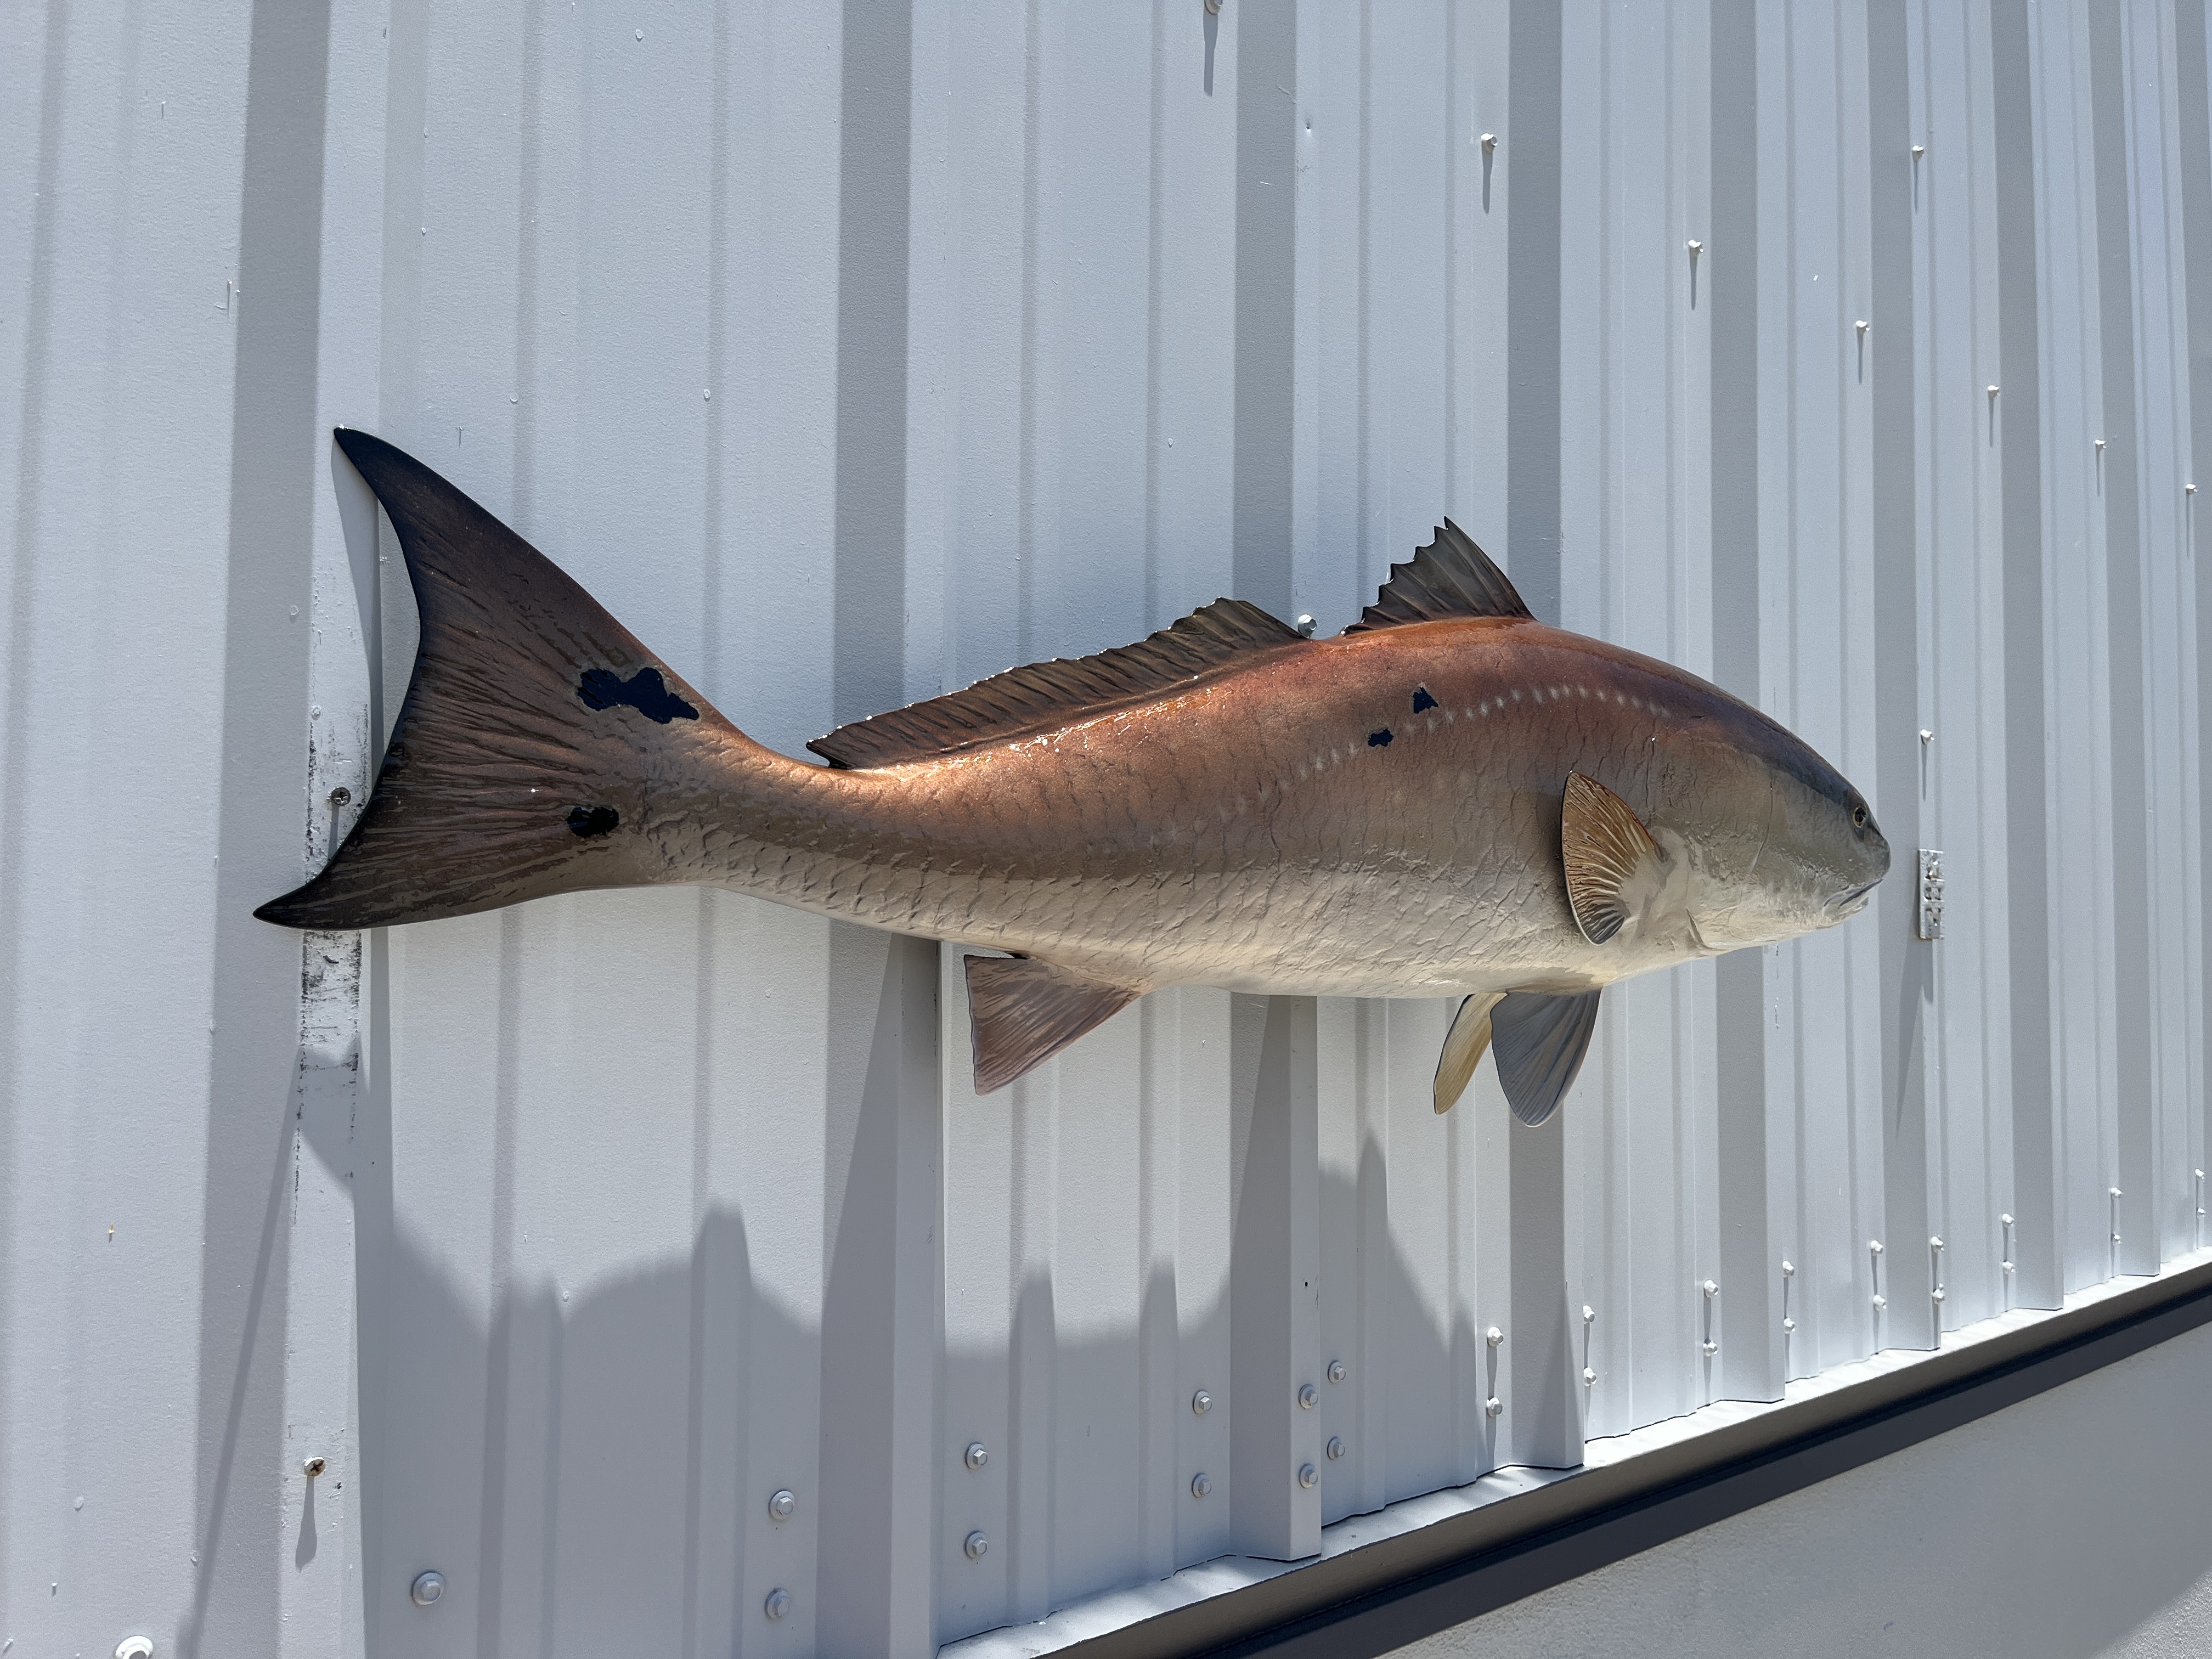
(1379, 739)
(1422, 701)
(645, 691)
(593, 820)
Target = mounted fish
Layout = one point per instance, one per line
(1448, 799)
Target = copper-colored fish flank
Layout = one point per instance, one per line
(1391, 812)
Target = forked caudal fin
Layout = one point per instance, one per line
(533, 733)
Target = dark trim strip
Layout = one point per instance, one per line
(1371, 1599)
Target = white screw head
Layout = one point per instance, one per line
(1919, 150)
(2117, 1192)
(313, 1467)
(1709, 1349)
(1489, 142)
(1711, 1290)
(1199, 1485)
(1589, 1377)
(1789, 1325)
(1936, 1243)
(1935, 1295)
(1308, 1476)
(778, 1603)
(1493, 1405)
(1790, 1270)
(1306, 625)
(427, 1589)
(1590, 1315)
(2007, 1265)
(1201, 1403)
(976, 1456)
(1336, 1370)
(1307, 1394)
(135, 1647)
(1863, 325)
(2005, 1220)
(1493, 1336)
(1875, 1245)
(1696, 247)
(1880, 1303)
(1335, 1447)
(782, 1503)
(976, 1545)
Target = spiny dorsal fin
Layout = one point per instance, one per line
(1540, 1038)
(1449, 577)
(1464, 1045)
(1042, 696)
(1613, 864)
(1022, 1012)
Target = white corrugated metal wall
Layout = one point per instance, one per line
(1841, 352)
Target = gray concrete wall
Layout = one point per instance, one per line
(2075, 1524)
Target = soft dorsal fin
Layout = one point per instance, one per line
(1464, 1045)
(1449, 577)
(1614, 865)
(1040, 696)
(1540, 1038)
(1022, 1012)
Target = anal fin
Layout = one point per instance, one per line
(1464, 1045)
(1541, 1039)
(1022, 1012)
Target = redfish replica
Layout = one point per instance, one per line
(1448, 799)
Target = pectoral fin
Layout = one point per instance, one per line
(1614, 865)
(1464, 1045)
(1541, 1040)
(1022, 1012)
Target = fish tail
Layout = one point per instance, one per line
(535, 732)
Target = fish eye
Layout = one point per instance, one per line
(1859, 816)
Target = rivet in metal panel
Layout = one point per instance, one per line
(1493, 1405)
(2116, 1191)
(1306, 625)
(1789, 1325)
(778, 1603)
(1335, 1447)
(1875, 1245)
(976, 1455)
(341, 795)
(2007, 1265)
(1589, 1377)
(1308, 1476)
(1489, 142)
(976, 1546)
(1199, 1485)
(1881, 1301)
(1919, 150)
(1992, 391)
(427, 1589)
(1863, 325)
(1696, 247)
(135, 1647)
(2004, 1220)
(1590, 1315)
(2100, 446)
(1935, 1295)
(313, 1467)
(1336, 1370)
(1926, 737)
(1790, 1270)
(1493, 1336)
(1710, 1348)
(1935, 1243)
(641, 34)
(1307, 1394)
(782, 1503)
(1201, 1403)
(1711, 1290)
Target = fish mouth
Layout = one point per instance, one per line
(1852, 900)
